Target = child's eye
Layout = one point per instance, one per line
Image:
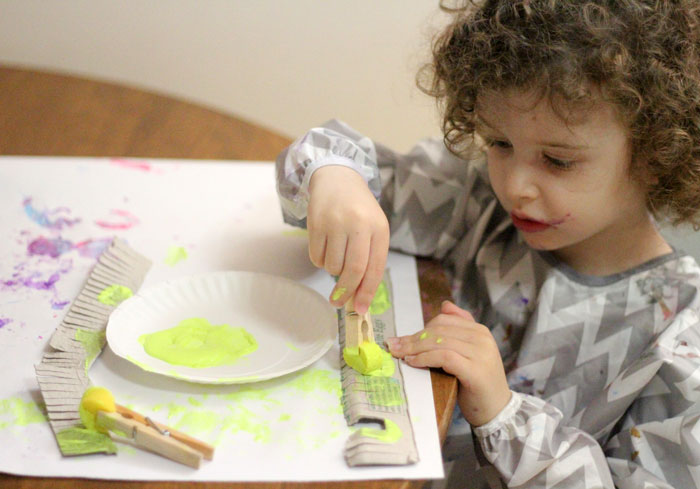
(558, 164)
(497, 143)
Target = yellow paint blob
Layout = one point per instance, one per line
(369, 359)
(95, 399)
(390, 434)
(114, 295)
(196, 343)
(423, 335)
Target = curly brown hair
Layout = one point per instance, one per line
(643, 55)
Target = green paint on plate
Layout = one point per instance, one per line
(196, 343)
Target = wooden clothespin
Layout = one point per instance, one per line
(99, 409)
(358, 327)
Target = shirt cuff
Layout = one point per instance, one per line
(501, 418)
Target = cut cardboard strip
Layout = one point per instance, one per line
(79, 339)
(380, 400)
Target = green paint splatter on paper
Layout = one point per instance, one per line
(16, 411)
(318, 380)
(114, 295)
(175, 255)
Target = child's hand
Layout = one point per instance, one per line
(465, 349)
(348, 234)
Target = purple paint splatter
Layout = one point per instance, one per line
(55, 247)
(4, 321)
(50, 247)
(45, 218)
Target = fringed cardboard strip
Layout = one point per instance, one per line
(377, 399)
(79, 339)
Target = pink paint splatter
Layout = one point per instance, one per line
(132, 164)
(92, 248)
(128, 220)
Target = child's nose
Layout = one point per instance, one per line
(521, 180)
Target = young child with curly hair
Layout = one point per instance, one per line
(571, 128)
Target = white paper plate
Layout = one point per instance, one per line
(293, 324)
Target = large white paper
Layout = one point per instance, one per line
(56, 214)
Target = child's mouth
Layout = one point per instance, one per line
(529, 225)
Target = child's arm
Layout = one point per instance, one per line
(647, 419)
(424, 196)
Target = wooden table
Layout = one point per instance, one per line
(56, 115)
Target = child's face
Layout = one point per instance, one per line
(566, 187)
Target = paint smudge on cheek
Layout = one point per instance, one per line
(125, 220)
(559, 222)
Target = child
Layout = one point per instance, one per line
(577, 340)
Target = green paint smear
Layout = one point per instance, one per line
(338, 293)
(93, 342)
(20, 412)
(317, 379)
(175, 255)
(390, 434)
(354, 357)
(80, 441)
(196, 343)
(381, 391)
(381, 301)
(114, 295)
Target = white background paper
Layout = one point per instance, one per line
(227, 217)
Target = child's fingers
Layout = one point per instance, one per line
(427, 340)
(334, 257)
(317, 247)
(379, 249)
(354, 267)
(450, 361)
(449, 307)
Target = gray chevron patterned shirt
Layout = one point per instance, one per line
(605, 371)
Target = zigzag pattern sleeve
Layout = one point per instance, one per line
(648, 419)
(429, 195)
(334, 143)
